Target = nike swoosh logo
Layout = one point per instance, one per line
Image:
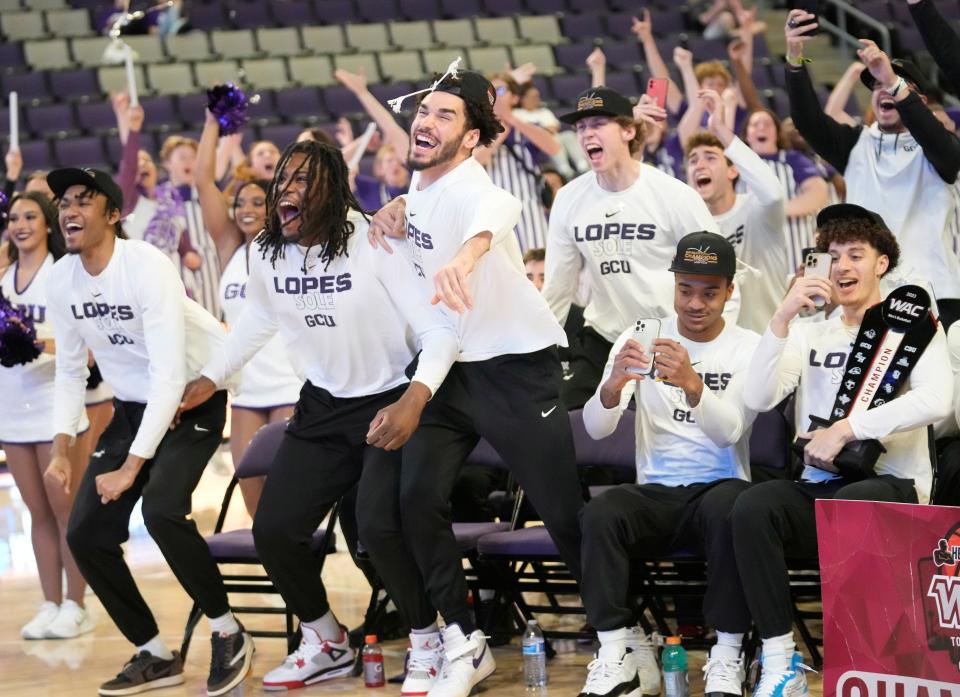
(478, 659)
(411, 214)
(610, 215)
(99, 453)
(545, 414)
(198, 427)
(97, 295)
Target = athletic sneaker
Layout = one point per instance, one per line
(723, 676)
(230, 658)
(312, 663)
(466, 661)
(645, 649)
(613, 673)
(423, 664)
(37, 627)
(791, 682)
(71, 621)
(145, 672)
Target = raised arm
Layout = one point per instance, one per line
(216, 218)
(742, 63)
(393, 134)
(131, 119)
(836, 107)
(643, 29)
(940, 38)
(690, 122)
(597, 62)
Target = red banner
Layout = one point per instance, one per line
(891, 599)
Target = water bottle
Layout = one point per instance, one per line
(372, 662)
(534, 656)
(674, 662)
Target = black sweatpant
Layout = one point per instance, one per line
(166, 483)
(643, 520)
(775, 521)
(947, 491)
(586, 362)
(513, 402)
(322, 456)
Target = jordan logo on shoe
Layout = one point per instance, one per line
(547, 413)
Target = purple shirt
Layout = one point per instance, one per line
(374, 194)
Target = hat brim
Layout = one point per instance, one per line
(701, 272)
(847, 211)
(900, 71)
(575, 116)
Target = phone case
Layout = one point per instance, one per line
(644, 333)
(657, 90)
(816, 265)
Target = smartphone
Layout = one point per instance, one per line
(644, 333)
(657, 90)
(813, 7)
(816, 265)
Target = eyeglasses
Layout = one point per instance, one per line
(502, 90)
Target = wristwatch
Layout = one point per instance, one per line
(897, 86)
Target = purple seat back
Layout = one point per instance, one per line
(623, 54)
(280, 135)
(624, 82)
(707, 49)
(79, 152)
(567, 87)
(572, 57)
(293, 13)
(334, 11)
(456, 9)
(160, 111)
(250, 15)
(616, 451)
(72, 84)
(378, 10)
(544, 7)
(36, 154)
(581, 27)
(770, 441)
(52, 118)
(28, 86)
(340, 101)
(420, 9)
(205, 17)
(502, 8)
(96, 117)
(258, 457)
(11, 55)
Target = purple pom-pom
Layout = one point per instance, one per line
(228, 104)
(4, 209)
(18, 336)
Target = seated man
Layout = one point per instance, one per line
(692, 433)
(775, 519)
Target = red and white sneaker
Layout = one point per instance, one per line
(424, 659)
(314, 661)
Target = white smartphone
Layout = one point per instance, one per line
(817, 265)
(644, 332)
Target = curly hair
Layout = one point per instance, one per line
(847, 230)
(479, 115)
(324, 207)
(56, 245)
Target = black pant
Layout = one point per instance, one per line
(947, 491)
(166, 483)
(949, 311)
(644, 520)
(513, 402)
(322, 456)
(774, 521)
(587, 363)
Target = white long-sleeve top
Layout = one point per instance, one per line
(148, 338)
(628, 239)
(754, 226)
(678, 444)
(351, 327)
(812, 361)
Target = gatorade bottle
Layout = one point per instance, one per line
(674, 662)
(372, 662)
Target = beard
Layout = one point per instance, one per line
(444, 153)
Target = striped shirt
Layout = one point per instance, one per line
(519, 174)
(203, 285)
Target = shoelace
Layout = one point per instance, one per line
(600, 671)
(422, 660)
(135, 664)
(764, 686)
(727, 668)
(221, 653)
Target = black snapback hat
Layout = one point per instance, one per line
(599, 101)
(848, 211)
(705, 253)
(905, 69)
(470, 86)
(60, 180)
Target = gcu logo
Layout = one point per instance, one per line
(906, 308)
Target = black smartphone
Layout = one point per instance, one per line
(813, 7)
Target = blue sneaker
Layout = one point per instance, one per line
(791, 682)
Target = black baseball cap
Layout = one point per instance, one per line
(705, 253)
(849, 211)
(60, 180)
(470, 86)
(599, 101)
(905, 69)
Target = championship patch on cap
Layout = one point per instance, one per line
(599, 101)
(700, 256)
(705, 253)
(591, 101)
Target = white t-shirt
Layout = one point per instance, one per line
(350, 327)
(678, 445)
(628, 239)
(754, 226)
(812, 360)
(508, 315)
(148, 338)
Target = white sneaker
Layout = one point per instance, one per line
(723, 676)
(645, 649)
(466, 661)
(71, 621)
(311, 663)
(37, 627)
(424, 661)
(791, 682)
(612, 673)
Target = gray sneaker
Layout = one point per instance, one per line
(145, 672)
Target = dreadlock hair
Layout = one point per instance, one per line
(323, 207)
(56, 245)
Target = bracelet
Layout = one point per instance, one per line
(798, 62)
(897, 86)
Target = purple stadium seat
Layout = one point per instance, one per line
(377, 10)
(115, 151)
(340, 101)
(238, 544)
(624, 82)
(460, 8)
(420, 9)
(543, 84)
(160, 112)
(52, 118)
(707, 49)
(764, 77)
(618, 25)
(29, 87)
(36, 154)
(623, 54)
(769, 441)
(468, 534)
(665, 22)
(567, 87)
(778, 101)
(581, 27)
(300, 102)
(250, 15)
(543, 7)
(11, 55)
(334, 11)
(72, 84)
(281, 135)
(598, 7)
(79, 152)
(572, 57)
(900, 12)
(206, 17)
(96, 117)
(910, 40)
(526, 542)
(191, 107)
(502, 8)
(384, 92)
(264, 111)
(293, 13)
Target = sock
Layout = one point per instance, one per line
(323, 628)
(156, 647)
(426, 638)
(778, 652)
(224, 624)
(728, 645)
(613, 642)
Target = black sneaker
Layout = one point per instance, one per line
(230, 659)
(145, 672)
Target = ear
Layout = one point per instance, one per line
(628, 133)
(114, 217)
(923, 98)
(732, 172)
(883, 263)
(470, 139)
(730, 285)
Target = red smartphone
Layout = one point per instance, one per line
(657, 90)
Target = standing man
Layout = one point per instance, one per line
(125, 302)
(503, 387)
(624, 220)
